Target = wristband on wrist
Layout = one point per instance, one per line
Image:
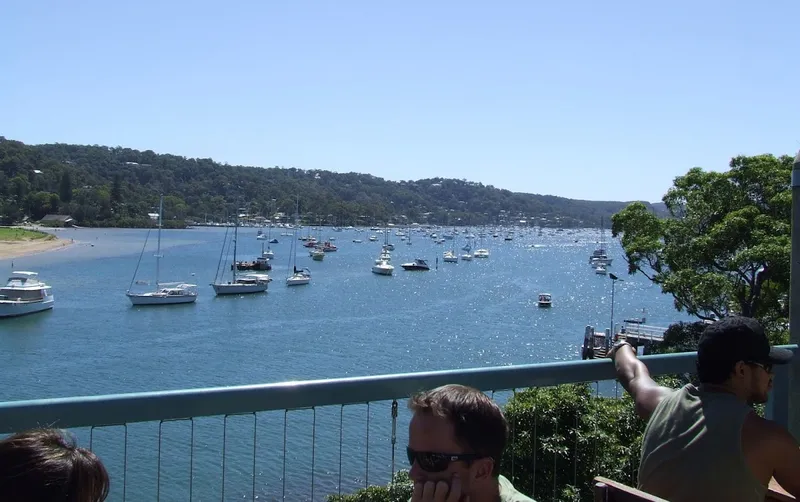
(619, 345)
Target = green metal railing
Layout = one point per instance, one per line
(254, 420)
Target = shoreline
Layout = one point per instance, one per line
(20, 249)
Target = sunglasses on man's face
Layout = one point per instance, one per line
(430, 461)
(766, 367)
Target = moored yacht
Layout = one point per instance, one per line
(243, 284)
(24, 294)
(545, 300)
(299, 277)
(418, 264)
(382, 267)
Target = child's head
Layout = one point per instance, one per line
(45, 465)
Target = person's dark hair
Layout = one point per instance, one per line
(721, 346)
(45, 465)
(479, 424)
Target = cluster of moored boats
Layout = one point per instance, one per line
(24, 293)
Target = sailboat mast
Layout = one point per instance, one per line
(235, 238)
(158, 248)
(296, 224)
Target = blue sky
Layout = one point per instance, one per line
(583, 99)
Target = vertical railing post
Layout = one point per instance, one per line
(794, 306)
(778, 404)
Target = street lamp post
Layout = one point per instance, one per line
(794, 302)
(614, 280)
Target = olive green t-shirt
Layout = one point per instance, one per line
(692, 449)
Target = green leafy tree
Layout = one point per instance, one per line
(725, 247)
(116, 189)
(65, 187)
(564, 436)
(41, 203)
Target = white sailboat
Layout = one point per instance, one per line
(268, 254)
(383, 264)
(451, 256)
(298, 277)
(238, 285)
(600, 256)
(482, 252)
(165, 293)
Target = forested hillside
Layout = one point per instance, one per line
(115, 186)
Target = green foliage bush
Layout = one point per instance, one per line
(397, 491)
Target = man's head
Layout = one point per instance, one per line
(45, 464)
(735, 352)
(456, 430)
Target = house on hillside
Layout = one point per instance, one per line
(57, 220)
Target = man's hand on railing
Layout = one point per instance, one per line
(617, 345)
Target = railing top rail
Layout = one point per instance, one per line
(112, 409)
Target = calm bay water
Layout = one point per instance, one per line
(347, 322)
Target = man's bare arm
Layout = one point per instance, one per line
(634, 377)
(786, 455)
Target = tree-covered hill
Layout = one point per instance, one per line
(115, 186)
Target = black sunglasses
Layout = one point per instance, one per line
(765, 366)
(437, 462)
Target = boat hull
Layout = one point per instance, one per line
(238, 289)
(160, 299)
(382, 270)
(11, 308)
(297, 281)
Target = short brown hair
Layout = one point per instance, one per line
(46, 465)
(478, 422)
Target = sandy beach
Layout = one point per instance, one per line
(15, 249)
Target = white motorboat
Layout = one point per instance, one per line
(25, 294)
(171, 293)
(450, 257)
(268, 254)
(317, 254)
(383, 267)
(384, 256)
(481, 253)
(466, 257)
(545, 300)
(600, 270)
